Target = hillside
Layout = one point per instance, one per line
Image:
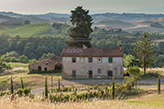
(27, 30)
(9, 18)
(113, 24)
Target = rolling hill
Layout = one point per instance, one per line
(113, 24)
(27, 30)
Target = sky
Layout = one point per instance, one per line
(94, 6)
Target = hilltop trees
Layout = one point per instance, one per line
(26, 22)
(80, 33)
(144, 51)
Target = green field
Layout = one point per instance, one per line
(150, 100)
(27, 30)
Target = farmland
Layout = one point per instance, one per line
(27, 30)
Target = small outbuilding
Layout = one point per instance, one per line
(46, 64)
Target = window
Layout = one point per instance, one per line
(73, 73)
(110, 60)
(89, 60)
(110, 73)
(47, 63)
(99, 71)
(99, 59)
(73, 60)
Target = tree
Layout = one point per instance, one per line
(134, 72)
(144, 51)
(80, 33)
(11, 86)
(22, 83)
(58, 84)
(46, 88)
(159, 84)
(26, 22)
(128, 59)
(113, 89)
(23, 59)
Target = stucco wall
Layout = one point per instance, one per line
(82, 67)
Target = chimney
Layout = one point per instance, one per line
(120, 48)
(84, 47)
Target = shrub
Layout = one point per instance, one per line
(26, 91)
(19, 92)
(66, 97)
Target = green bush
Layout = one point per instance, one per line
(19, 92)
(26, 91)
(2, 93)
(66, 97)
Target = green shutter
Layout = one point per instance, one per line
(110, 60)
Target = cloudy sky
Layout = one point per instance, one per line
(94, 6)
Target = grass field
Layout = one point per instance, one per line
(20, 70)
(27, 30)
(150, 100)
(26, 103)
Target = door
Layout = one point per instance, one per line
(74, 74)
(90, 73)
(110, 73)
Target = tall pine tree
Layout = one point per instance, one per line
(80, 33)
(144, 51)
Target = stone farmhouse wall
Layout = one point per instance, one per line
(100, 67)
(45, 65)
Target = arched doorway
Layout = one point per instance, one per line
(57, 67)
(39, 68)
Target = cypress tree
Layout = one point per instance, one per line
(22, 83)
(159, 84)
(58, 84)
(113, 89)
(46, 88)
(11, 86)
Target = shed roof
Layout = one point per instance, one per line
(92, 52)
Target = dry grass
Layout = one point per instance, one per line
(151, 100)
(26, 103)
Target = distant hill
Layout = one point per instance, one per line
(9, 18)
(113, 23)
(27, 30)
(126, 21)
(125, 16)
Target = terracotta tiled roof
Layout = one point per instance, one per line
(93, 52)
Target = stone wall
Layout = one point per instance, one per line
(82, 67)
(45, 65)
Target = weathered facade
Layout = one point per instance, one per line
(92, 63)
(47, 64)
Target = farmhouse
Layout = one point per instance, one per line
(92, 62)
(46, 64)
